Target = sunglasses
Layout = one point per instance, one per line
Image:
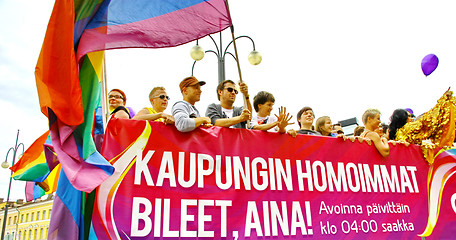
(162, 97)
(231, 90)
(115, 96)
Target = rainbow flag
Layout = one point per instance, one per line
(39, 168)
(152, 24)
(70, 106)
(70, 202)
(32, 166)
(90, 26)
(67, 219)
(69, 97)
(33, 191)
(38, 161)
(70, 131)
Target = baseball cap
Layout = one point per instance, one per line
(190, 81)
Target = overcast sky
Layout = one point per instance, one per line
(338, 57)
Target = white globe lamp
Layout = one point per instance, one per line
(255, 57)
(197, 53)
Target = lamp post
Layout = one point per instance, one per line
(17, 222)
(197, 53)
(5, 164)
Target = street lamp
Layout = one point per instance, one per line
(17, 221)
(5, 164)
(197, 53)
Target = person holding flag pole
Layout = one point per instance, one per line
(246, 97)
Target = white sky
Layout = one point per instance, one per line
(338, 57)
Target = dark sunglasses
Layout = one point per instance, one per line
(162, 97)
(231, 90)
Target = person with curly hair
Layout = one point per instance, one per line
(397, 120)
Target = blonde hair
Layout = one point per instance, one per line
(320, 123)
(370, 113)
(151, 94)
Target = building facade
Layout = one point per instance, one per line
(27, 221)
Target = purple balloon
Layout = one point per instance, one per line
(429, 64)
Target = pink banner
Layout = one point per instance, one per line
(244, 184)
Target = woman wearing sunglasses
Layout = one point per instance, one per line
(159, 101)
(116, 101)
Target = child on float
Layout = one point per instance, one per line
(263, 103)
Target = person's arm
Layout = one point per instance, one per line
(265, 127)
(217, 120)
(145, 115)
(183, 122)
(205, 121)
(121, 114)
(245, 91)
(381, 143)
(228, 122)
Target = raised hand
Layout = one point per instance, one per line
(283, 119)
(243, 88)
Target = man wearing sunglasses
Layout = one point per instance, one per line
(159, 100)
(185, 113)
(225, 114)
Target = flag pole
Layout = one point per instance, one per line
(104, 92)
(234, 42)
(236, 54)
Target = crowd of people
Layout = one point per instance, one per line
(434, 128)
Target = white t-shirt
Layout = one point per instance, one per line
(228, 113)
(257, 120)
